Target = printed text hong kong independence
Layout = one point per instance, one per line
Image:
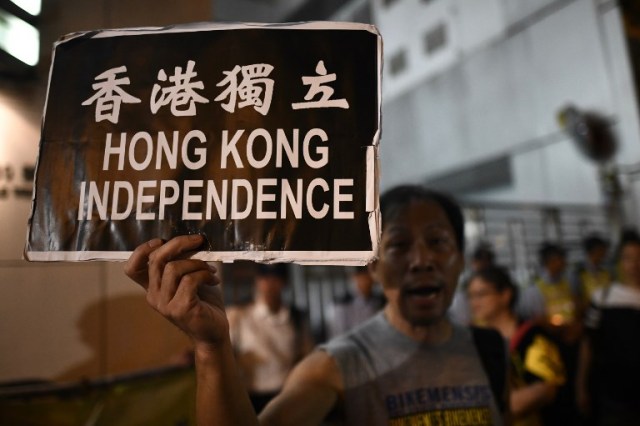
(244, 86)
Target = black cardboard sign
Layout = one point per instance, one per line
(261, 137)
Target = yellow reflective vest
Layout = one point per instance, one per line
(593, 280)
(558, 301)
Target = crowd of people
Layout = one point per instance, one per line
(560, 350)
(573, 352)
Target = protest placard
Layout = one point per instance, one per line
(261, 137)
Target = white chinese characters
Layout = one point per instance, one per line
(181, 95)
(247, 85)
(254, 88)
(319, 87)
(109, 95)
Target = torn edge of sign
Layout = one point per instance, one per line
(373, 164)
(346, 258)
(372, 188)
(216, 26)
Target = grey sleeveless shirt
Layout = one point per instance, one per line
(390, 379)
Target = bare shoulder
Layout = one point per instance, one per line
(318, 367)
(311, 391)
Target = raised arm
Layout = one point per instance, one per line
(311, 391)
(532, 397)
(185, 291)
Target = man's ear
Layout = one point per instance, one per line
(460, 262)
(373, 270)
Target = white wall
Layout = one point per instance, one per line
(404, 23)
(19, 136)
(496, 88)
(255, 10)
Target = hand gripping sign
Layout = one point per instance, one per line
(263, 138)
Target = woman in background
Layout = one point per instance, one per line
(537, 371)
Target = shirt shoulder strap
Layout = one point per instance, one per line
(491, 348)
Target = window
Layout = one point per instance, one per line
(435, 39)
(32, 7)
(398, 62)
(19, 36)
(19, 39)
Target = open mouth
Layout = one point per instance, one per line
(423, 291)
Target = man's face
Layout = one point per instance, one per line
(269, 289)
(485, 301)
(598, 254)
(555, 265)
(419, 263)
(364, 284)
(630, 263)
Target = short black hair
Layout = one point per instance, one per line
(500, 279)
(395, 199)
(548, 250)
(629, 236)
(357, 270)
(278, 270)
(594, 241)
(484, 253)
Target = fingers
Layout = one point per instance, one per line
(137, 264)
(176, 248)
(172, 281)
(187, 293)
(179, 295)
(179, 272)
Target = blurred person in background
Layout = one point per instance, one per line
(609, 371)
(358, 305)
(537, 371)
(550, 299)
(483, 257)
(593, 273)
(268, 337)
(550, 302)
